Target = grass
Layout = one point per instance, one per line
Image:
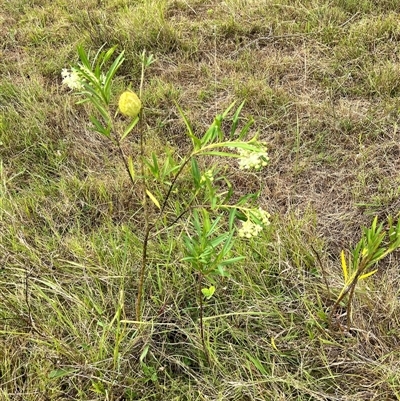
(322, 79)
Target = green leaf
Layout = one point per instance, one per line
(99, 127)
(57, 373)
(243, 145)
(105, 56)
(363, 276)
(207, 227)
(84, 58)
(129, 128)
(144, 353)
(111, 72)
(219, 240)
(232, 216)
(131, 168)
(196, 222)
(344, 267)
(189, 246)
(97, 104)
(229, 108)
(221, 272)
(210, 229)
(153, 198)
(92, 84)
(257, 364)
(208, 292)
(235, 120)
(196, 141)
(195, 173)
(232, 260)
(155, 164)
(228, 244)
(217, 153)
(245, 129)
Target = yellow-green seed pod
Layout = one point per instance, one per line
(129, 104)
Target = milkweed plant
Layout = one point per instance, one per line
(211, 220)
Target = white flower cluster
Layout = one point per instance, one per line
(252, 159)
(72, 79)
(262, 215)
(207, 176)
(250, 229)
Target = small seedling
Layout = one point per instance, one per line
(362, 261)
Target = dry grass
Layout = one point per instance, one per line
(322, 79)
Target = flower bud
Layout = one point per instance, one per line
(129, 104)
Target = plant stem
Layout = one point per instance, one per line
(350, 290)
(147, 227)
(164, 205)
(200, 294)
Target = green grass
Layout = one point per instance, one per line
(322, 80)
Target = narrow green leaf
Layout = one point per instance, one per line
(129, 128)
(227, 194)
(223, 154)
(189, 246)
(229, 108)
(144, 353)
(99, 127)
(245, 129)
(131, 168)
(219, 240)
(196, 141)
(92, 81)
(209, 136)
(242, 145)
(235, 119)
(153, 198)
(104, 113)
(196, 222)
(232, 260)
(210, 229)
(363, 276)
(232, 216)
(257, 363)
(111, 73)
(151, 167)
(207, 227)
(107, 55)
(155, 163)
(228, 244)
(57, 373)
(195, 173)
(221, 272)
(344, 267)
(83, 56)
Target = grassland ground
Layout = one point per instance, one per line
(321, 78)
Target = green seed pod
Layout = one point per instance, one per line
(129, 104)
